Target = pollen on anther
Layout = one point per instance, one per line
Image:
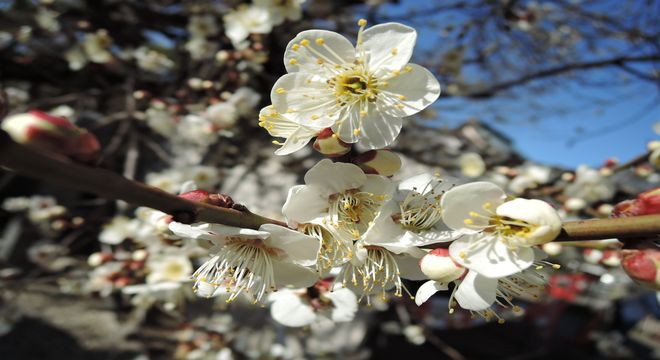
(357, 131)
(293, 61)
(394, 51)
(304, 42)
(295, 47)
(320, 41)
(363, 113)
(468, 222)
(280, 90)
(362, 22)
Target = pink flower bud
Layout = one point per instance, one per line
(643, 266)
(53, 134)
(329, 144)
(646, 203)
(202, 196)
(381, 162)
(439, 266)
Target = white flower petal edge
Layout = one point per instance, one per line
(476, 292)
(336, 50)
(345, 304)
(427, 290)
(544, 220)
(490, 257)
(472, 197)
(377, 43)
(290, 310)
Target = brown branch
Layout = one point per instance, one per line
(636, 227)
(558, 70)
(104, 183)
(107, 184)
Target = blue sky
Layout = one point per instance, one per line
(606, 121)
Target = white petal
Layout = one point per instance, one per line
(378, 185)
(304, 204)
(188, 186)
(337, 50)
(463, 199)
(289, 310)
(196, 231)
(348, 125)
(535, 212)
(332, 178)
(344, 304)
(476, 292)
(491, 258)
(385, 231)
(289, 274)
(419, 87)
(409, 267)
(427, 290)
(378, 41)
(379, 129)
(304, 97)
(299, 248)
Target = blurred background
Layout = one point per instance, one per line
(556, 100)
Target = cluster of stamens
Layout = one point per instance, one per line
(241, 266)
(334, 251)
(509, 231)
(420, 212)
(378, 273)
(351, 211)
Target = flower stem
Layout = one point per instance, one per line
(635, 227)
(104, 183)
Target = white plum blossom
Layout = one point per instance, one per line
(282, 125)
(152, 60)
(240, 23)
(341, 198)
(47, 19)
(365, 91)
(414, 216)
(201, 26)
(282, 10)
(590, 185)
(256, 262)
(222, 115)
(200, 48)
(378, 263)
(499, 234)
(164, 268)
(472, 165)
(97, 45)
(244, 99)
(304, 307)
(529, 176)
(473, 291)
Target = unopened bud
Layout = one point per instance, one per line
(643, 267)
(593, 256)
(202, 196)
(654, 159)
(381, 162)
(98, 259)
(611, 258)
(52, 134)
(330, 145)
(552, 248)
(139, 255)
(438, 265)
(646, 203)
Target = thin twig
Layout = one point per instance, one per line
(104, 183)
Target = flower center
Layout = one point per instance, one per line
(419, 212)
(354, 85)
(378, 273)
(352, 210)
(241, 265)
(512, 232)
(334, 251)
